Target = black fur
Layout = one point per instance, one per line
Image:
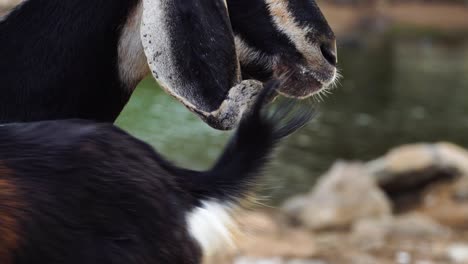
(59, 60)
(252, 22)
(91, 193)
(203, 47)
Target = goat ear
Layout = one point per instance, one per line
(189, 45)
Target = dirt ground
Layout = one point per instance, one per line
(410, 238)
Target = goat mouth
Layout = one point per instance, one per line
(300, 85)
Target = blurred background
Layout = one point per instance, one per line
(368, 181)
(405, 71)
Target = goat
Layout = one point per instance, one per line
(75, 191)
(83, 58)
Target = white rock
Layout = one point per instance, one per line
(458, 253)
(453, 156)
(403, 257)
(417, 225)
(344, 195)
(412, 165)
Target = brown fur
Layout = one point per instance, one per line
(10, 205)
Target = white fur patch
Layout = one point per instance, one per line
(212, 227)
(133, 66)
(285, 22)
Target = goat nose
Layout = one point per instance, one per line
(328, 49)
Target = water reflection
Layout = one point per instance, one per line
(396, 90)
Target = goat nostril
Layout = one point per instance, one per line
(329, 52)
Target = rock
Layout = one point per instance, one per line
(355, 219)
(407, 168)
(403, 159)
(447, 203)
(458, 253)
(417, 225)
(453, 156)
(293, 208)
(370, 234)
(403, 257)
(414, 226)
(413, 166)
(373, 234)
(460, 190)
(341, 197)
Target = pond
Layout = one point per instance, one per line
(395, 90)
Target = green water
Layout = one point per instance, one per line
(395, 91)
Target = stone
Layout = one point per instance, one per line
(293, 208)
(342, 196)
(447, 203)
(370, 234)
(406, 158)
(453, 156)
(460, 190)
(403, 257)
(413, 225)
(458, 253)
(413, 166)
(417, 225)
(406, 168)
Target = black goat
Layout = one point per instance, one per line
(83, 58)
(79, 192)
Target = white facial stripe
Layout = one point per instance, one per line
(133, 66)
(285, 22)
(212, 227)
